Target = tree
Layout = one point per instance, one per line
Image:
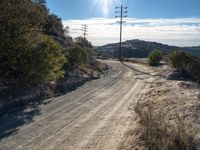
(54, 26)
(27, 56)
(40, 2)
(83, 42)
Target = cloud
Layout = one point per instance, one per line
(177, 31)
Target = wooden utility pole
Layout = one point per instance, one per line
(121, 12)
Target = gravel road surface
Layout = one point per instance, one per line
(94, 116)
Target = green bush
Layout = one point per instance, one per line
(27, 56)
(180, 60)
(155, 57)
(186, 63)
(43, 60)
(77, 56)
(36, 60)
(83, 42)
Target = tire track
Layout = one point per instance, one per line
(83, 119)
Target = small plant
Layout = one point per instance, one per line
(155, 57)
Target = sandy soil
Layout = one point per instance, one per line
(96, 116)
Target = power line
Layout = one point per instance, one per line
(85, 30)
(121, 12)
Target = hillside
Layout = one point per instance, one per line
(38, 58)
(138, 48)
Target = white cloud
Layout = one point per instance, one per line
(178, 31)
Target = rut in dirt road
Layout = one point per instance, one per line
(95, 116)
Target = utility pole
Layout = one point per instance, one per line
(85, 30)
(121, 12)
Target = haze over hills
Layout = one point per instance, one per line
(139, 49)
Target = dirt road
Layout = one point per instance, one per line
(95, 116)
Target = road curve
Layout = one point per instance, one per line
(95, 116)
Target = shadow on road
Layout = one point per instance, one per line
(174, 76)
(136, 69)
(10, 122)
(146, 73)
(13, 117)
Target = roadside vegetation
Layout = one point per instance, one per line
(155, 57)
(36, 51)
(157, 133)
(187, 64)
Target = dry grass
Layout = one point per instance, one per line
(155, 133)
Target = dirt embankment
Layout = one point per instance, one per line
(20, 97)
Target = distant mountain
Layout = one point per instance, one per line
(140, 49)
(193, 50)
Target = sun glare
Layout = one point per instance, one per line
(104, 5)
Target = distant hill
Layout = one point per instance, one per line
(140, 49)
(193, 50)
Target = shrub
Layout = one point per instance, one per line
(83, 42)
(77, 56)
(44, 59)
(155, 133)
(194, 71)
(155, 57)
(27, 56)
(180, 60)
(186, 63)
(36, 60)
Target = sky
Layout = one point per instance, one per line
(173, 22)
